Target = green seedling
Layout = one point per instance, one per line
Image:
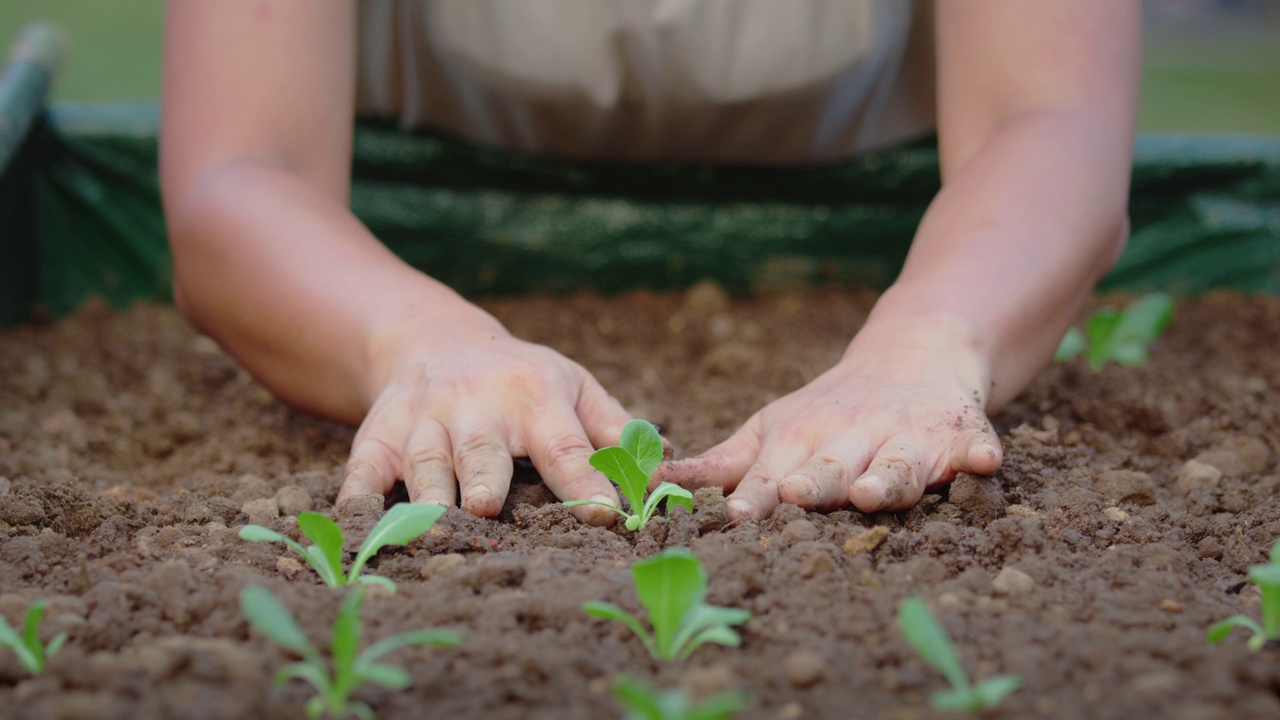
(1267, 577)
(933, 645)
(671, 587)
(32, 654)
(401, 525)
(351, 668)
(630, 464)
(642, 702)
(1119, 336)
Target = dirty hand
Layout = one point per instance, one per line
(451, 416)
(902, 410)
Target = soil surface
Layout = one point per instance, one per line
(1130, 505)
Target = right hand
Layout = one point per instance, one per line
(451, 416)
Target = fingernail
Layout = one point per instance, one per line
(739, 509)
(604, 499)
(481, 500)
(802, 488)
(870, 487)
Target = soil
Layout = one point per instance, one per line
(1130, 505)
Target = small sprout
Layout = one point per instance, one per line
(1120, 336)
(401, 525)
(933, 645)
(642, 702)
(32, 654)
(350, 670)
(630, 464)
(1267, 577)
(671, 586)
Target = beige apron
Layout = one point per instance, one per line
(738, 81)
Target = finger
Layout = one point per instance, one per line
(978, 453)
(561, 451)
(823, 481)
(600, 415)
(722, 466)
(756, 497)
(428, 465)
(372, 469)
(482, 461)
(895, 479)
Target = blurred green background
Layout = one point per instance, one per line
(1210, 65)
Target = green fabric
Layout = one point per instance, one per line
(1205, 212)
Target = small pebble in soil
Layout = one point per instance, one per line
(865, 542)
(1115, 513)
(288, 566)
(438, 564)
(1170, 606)
(804, 668)
(1020, 511)
(1126, 486)
(293, 500)
(1238, 456)
(1014, 582)
(1195, 473)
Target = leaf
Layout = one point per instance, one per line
(669, 586)
(319, 561)
(1073, 343)
(674, 495)
(1267, 577)
(1130, 354)
(639, 700)
(1275, 553)
(382, 582)
(1220, 630)
(9, 638)
(708, 623)
(401, 525)
(265, 613)
(718, 634)
(1098, 329)
(257, 533)
(388, 676)
(641, 440)
(429, 636)
(995, 689)
(345, 642)
(55, 645)
(1144, 320)
(718, 707)
(930, 641)
(327, 536)
(620, 467)
(315, 708)
(31, 630)
(964, 699)
(313, 555)
(609, 611)
(313, 674)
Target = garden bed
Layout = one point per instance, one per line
(132, 450)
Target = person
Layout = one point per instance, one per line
(1035, 113)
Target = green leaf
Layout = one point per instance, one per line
(669, 586)
(1263, 575)
(719, 707)
(31, 629)
(674, 495)
(1073, 343)
(313, 673)
(1275, 553)
(269, 617)
(313, 555)
(719, 635)
(1220, 630)
(639, 700)
(641, 440)
(401, 525)
(428, 636)
(1144, 320)
(315, 708)
(378, 580)
(957, 700)
(257, 533)
(619, 466)
(345, 642)
(708, 623)
(327, 536)
(319, 561)
(388, 676)
(55, 645)
(609, 611)
(994, 690)
(9, 638)
(930, 641)
(1130, 354)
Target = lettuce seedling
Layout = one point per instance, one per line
(671, 587)
(630, 464)
(933, 645)
(32, 654)
(401, 525)
(1267, 577)
(1119, 336)
(642, 702)
(351, 668)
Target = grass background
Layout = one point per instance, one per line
(1209, 65)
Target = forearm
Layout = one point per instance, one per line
(297, 289)
(1014, 242)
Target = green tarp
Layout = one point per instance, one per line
(79, 211)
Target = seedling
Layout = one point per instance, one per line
(1119, 336)
(933, 645)
(401, 525)
(32, 654)
(1267, 577)
(642, 702)
(350, 670)
(630, 464)
(671, 587)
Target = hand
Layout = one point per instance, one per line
(452, 416)
(902, 410)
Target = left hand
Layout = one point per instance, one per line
(902, 410)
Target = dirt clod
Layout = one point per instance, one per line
(1238, 456)
(1126, 486)
(978, 498)
(804, 668)
(1012, 581)
(865, 541)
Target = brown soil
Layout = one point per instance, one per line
(131, 450)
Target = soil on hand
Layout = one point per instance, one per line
(1130, 505)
